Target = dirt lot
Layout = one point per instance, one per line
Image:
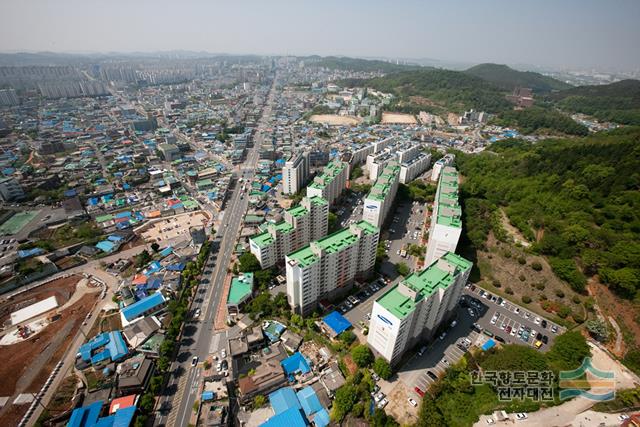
(401, 118)
(25, 366)
(502, 272)
(335, 120)
(62, 289)
(174, 226)
(399, 407)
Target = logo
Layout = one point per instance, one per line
(587, 381)
(385, 320)
(372, 207)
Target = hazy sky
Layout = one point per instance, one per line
(558, 33)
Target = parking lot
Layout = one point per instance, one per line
(406, 227)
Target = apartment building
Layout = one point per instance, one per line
(328, 267)
(447, 160)
(10, 189)
(413, 310)
(295, 173)
(301, 225)
(446, 222)
(378, 202)
(377, 162)
(411, 169)
(331, 182)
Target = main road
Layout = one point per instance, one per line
(199, 338)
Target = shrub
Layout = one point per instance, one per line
(576, 299)
(509, 291)
(564, 312)
(526, 299)
(540, 286)
(543, 297)
(496, 283)
(522, 260)
(578, 317)
(536, 266)
(507, 254)
(559, 293)
(522, 278)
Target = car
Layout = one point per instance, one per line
(194, 361)
(375, 376)
(471, 312)
(383, 403)
(544, 324)
(499, 338)
(422, 350)
(513, 332)
(527, 315)
(504, 325)
(453, 324)
(554, 329)
(545, 339)
(412, 402)
(419, 391)
(508, 329)
(432, 375)
(444, 334)
(379, 397)
(516, 310)
(490, 420)
(488, 333)
(623, 417)
(223, 353)
(539, 336)
(521, 416)
(398, 252)
(499, 301)
(537, 320)
(376, 388)
(494, 319)
(476, 327)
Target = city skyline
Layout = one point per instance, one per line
(569, 35)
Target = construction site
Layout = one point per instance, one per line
(38, 327)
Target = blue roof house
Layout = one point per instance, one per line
(145, 307)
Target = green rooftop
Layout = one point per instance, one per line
(263, 239)
(384, 183)
(298, 211)
(241, 287)
(328, 174)
(332, 243)
(424, 283)
(317, 200)
(449, 211)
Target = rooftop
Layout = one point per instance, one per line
(384, 183)
(449, 211)
(241, 288)
(424, 283)
(328, 174)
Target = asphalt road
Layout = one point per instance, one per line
(199, 340)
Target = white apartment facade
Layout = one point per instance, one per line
(328, 267)
(378, 202)
(413, 168)
(447, 160)
(302, 224)
(295, 173)
(413, 310)
(446, 218)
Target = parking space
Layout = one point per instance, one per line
(357, 309)
(405, 228)
(508, 322)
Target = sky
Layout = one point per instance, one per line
(561, 34)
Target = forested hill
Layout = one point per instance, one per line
(618, 102)
(356, 64)
(577, 200)
(507, 78)
(453, 90)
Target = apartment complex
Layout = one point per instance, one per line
(301, 225)
(378, 202)
(295, 173)
(413, 310)
(331, 182)
(327, 267)
(413, 162)
(447, 160)
(446, 222)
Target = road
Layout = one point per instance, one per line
(199, 339)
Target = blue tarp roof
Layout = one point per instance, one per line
(166, 251)
(309, 401)
(105, 246)
(122, 418)
(295, 363)
(290, 418)
(176, 267)
(488, 345)
(207, 395)
(70, 193)
(153, 268)
(154, 283)
(112, 345)
(136, 309)
(321, 419)
(284, 399)
(126, 214)
(30, 252)
(114, 238)
(86, 415)
(337, 322)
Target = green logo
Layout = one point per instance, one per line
(597, 385)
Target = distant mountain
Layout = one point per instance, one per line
(617, 102)
(508, 78)
(357, 64)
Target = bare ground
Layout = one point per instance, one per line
(625, 312)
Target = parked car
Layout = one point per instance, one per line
(419, 391)
(413, 402)
(194, 361)
(432, 375)
(521, 416)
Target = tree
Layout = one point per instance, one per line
(333, 222)
(568, 351)
(402, 269)
(248, 263)
(155, 247)
(513, 357)
(259, 401)
(347, 337)
(143, 258)
(346, 397)
(598, 329)
(362, 355)
(429, 415)
(382, 368)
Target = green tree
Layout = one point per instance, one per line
(143, 258)
(362, 355)
(347, 337)
(568, 351)
(382, 368)
(259, 401)
(155, 247)
(248, 263)
(346, 397)
(403, 269)
(429, 415)
(598, 329)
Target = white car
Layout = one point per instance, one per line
(490, 420)
(537, 321)
(521, 416)
(383, 403)
(223, 353)
(379, 397)
(413, 402)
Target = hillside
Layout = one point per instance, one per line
(356, 64)
(576, 200)
(438, 90)
(617, 102)
(507, 78)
